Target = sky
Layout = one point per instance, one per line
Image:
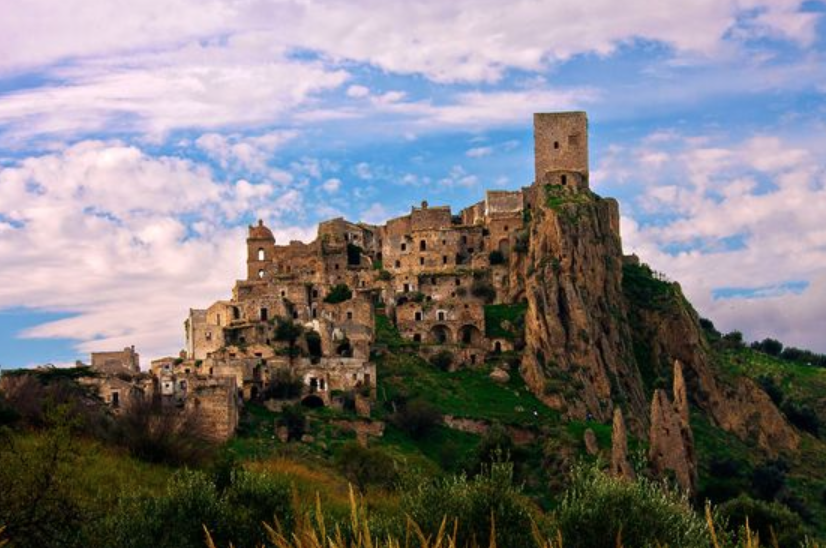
(139, 139)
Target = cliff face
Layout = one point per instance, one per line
(666, 328)
(602, 332)
(578, 355)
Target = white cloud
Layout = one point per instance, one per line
(465, 40)
(375, 214)
(358, 91)
(479, 152)
(735, 215)
(124, 241)
(331, 185)
(458, 176)
(363, 171)
(250, 153)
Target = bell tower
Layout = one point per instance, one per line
(260, 251)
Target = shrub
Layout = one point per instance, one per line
(597, 509)
(470, 505)
(802, 416)
(338, 294)
(442, 360)
(365, 466)
(483, 290)
(385, 276)
(770, 387)
(284, 386)
(769, 479)
(417, 418)
(772, 347)
(191, 503)
(155, 432)
(292, 417)
(496, 257)
(765, 518)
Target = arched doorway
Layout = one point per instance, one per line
(440, 334)
(470, 335)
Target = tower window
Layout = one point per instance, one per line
(404, 246)
(423, 246)
(398, 264)
(421, 261)
(444, 259)
(441, 316)
(260, 253)
(349, 315)
(264, 314)
(260, 274)
(556, 144)
(418, 316)
(564, 180)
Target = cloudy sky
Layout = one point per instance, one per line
(138, 139)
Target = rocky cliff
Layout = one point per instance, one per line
(602, 331)
(578, 356)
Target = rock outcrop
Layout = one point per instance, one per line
(620, 466)
(671, 441)
(578, 356)
(591, 445)
(666, 328)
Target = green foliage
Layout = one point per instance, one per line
(192, 501)
(802, 416)
(506, 321)
(768, 519)
(292, 417)
(417, 418)
(288, 331)
(284, 386)
(365, 466)
(644, 288)
(385, 276)
(470, 505)
(482, 289)
(496, 257)
(598, 509)
(387, 334)
(338, 294)
(772, 347)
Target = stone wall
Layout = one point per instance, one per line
(560, 143)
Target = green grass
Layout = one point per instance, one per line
(466, 393)
(497, 316)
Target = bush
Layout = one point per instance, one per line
(338, 294)
(772, 347)
(471, 504)
(284, 386)
(364, 466)
(417, 418)
(496, 257)
(292, 417)
(597, 509)
(482, 289)
(385, 276)
(159, 433)
(802, 416)
(769, 479)
(770, 387)
(442, 360)
(764, 518)
(192, 501)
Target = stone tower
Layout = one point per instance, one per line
(561, 148)
(260, 251)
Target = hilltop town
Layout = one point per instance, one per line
(308, 311)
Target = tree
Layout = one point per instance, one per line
(338, 294)
(289, 332)
(417, 418)
(496, 257)
(365, 466)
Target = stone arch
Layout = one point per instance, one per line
(440, 334)
(312, 401)
(470, 334)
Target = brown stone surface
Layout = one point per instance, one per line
(590, 440)
(620, 466)
(671, 441)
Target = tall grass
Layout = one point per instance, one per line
(312, 531)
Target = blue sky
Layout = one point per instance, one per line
(138, 140)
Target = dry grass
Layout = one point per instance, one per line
(314, 532)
